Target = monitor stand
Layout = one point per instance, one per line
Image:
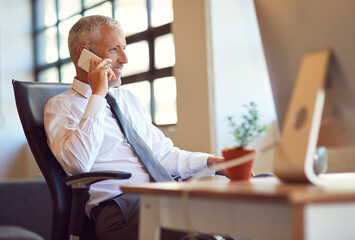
(294, 157)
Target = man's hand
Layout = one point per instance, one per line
(211, 161)
(214, 160)
(99, 75)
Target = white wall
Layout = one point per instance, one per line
(192, 77)
(16, 61)
(240, 73)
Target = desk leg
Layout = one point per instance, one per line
(298, 222)
(149, 226)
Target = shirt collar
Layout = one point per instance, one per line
(82, 88)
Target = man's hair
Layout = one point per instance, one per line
(86, 31)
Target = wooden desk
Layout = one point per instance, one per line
(262, 209)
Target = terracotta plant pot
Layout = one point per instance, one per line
(242, 171)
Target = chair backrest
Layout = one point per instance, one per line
(31, 98)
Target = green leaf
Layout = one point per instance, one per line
(248, 129)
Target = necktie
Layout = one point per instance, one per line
(145, 154)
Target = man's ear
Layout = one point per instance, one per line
(79, 49)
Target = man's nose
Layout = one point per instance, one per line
(123, 57)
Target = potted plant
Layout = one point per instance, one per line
(243, 132)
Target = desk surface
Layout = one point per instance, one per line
(258, 189)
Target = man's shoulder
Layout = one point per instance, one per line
(121, 92)
(65, 97)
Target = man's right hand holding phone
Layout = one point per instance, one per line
(99, 75)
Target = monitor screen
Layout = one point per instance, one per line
(289, 30)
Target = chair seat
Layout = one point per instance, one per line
(17, 233)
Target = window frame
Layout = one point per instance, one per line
(149, 35)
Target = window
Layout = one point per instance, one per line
(150, 47)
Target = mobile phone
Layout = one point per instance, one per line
(84, 59)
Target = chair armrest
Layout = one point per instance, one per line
(84, 180)
(80, 185)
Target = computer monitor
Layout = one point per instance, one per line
(290, 31)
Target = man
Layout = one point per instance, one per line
(84, 135)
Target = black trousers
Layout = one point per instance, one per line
(117, 219)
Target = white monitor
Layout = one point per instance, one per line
(309, 47)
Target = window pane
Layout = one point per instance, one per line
(138, 58)
(162, 12)
(45, 13)
(68, 8)
(49, 75)
(103, 9)
(67, 72)
(165, 100)
(142, 91)
(89, 3)
(47, 46)
(132, 15)
(64, 28)
(164, 51)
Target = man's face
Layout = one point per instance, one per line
(112, 45)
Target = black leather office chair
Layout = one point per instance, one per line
(68, 203)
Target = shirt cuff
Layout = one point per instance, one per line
(199, 163)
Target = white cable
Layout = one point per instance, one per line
(224, 165)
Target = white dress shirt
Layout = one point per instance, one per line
(84, 136)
